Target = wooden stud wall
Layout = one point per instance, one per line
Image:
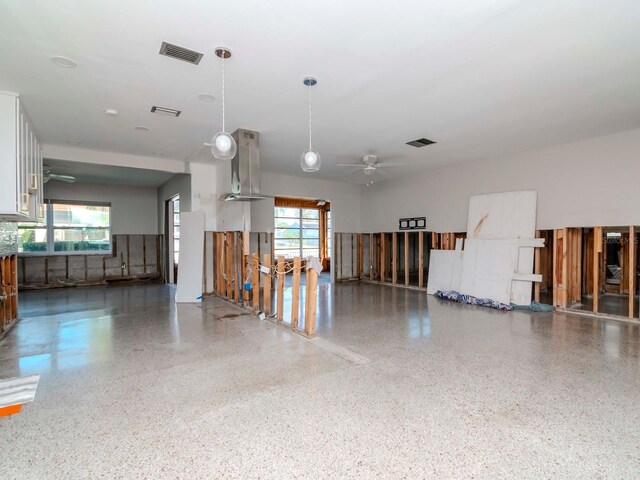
(134, 258)
(8, 292)
(632, 269)
(234, 264)
(597, 259)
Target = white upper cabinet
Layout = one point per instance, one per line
(21, 195)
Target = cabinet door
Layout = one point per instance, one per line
(40, 214)
(23, 160)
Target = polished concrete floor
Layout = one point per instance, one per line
(396, 385)
(609, 303)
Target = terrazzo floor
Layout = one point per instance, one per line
(396, 385)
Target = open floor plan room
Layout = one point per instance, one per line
(397, 383)
(286, 239)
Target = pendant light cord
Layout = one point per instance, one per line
(309, 88)
(223, 60)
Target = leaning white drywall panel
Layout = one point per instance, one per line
(507, 215)
(488, 267)
(189, 289)
(502, 215)
(445, 267)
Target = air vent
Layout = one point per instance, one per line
(421, 142)
(166, 111)
(180, 53)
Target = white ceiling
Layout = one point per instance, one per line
(483, 78)
(108, 174)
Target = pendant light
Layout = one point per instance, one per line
(223, 146)
(310, 160)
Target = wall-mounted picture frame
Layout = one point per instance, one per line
(413, 223)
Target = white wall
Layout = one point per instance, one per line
(585, 183)
(179, 184)
(204, 197)
(344, 198)
(133, 209)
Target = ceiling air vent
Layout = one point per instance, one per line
(166, 111)
(421, 142)
(181, 53)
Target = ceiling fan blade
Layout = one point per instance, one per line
(349, 165)
(62, 178)
(388, 164)
(355, 171)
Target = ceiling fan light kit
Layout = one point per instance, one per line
(310, 160)
(370, 165)
(223, 146)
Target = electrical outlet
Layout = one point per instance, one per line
(264, 269)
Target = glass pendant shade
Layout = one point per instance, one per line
(223, 146)
(310, 161)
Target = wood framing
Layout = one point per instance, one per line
(295, 291)
(632, 270)
(597, 255)
(229, 264)
(406, 259)
(255, 281)
(360, 255)
(383, 257)
(310, 316)
(371, 261)
(567, 266)
(420, 259)
(280, 294)
(8, 292)
(394, 258)
(559, 269)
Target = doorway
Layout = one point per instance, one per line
(172, 234)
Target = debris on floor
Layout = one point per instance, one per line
(462, 298)
(535, 307)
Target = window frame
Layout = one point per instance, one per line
(50, 229)
(300, 229)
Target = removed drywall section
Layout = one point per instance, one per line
(135, 257)
(572, 191)
(179, 184)
(133, 209)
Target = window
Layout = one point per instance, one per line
(297, 232)
(176, 228)
(68, 227)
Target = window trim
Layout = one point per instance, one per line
(300, 229)
(50, 228)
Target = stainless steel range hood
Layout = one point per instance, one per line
(245, 168)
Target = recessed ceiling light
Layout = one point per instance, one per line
(63, 62)
(112, 112)
(141, 128)
(206, 97)
(73, 142)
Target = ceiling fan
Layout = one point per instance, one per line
(47, 175)
(370, 165)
